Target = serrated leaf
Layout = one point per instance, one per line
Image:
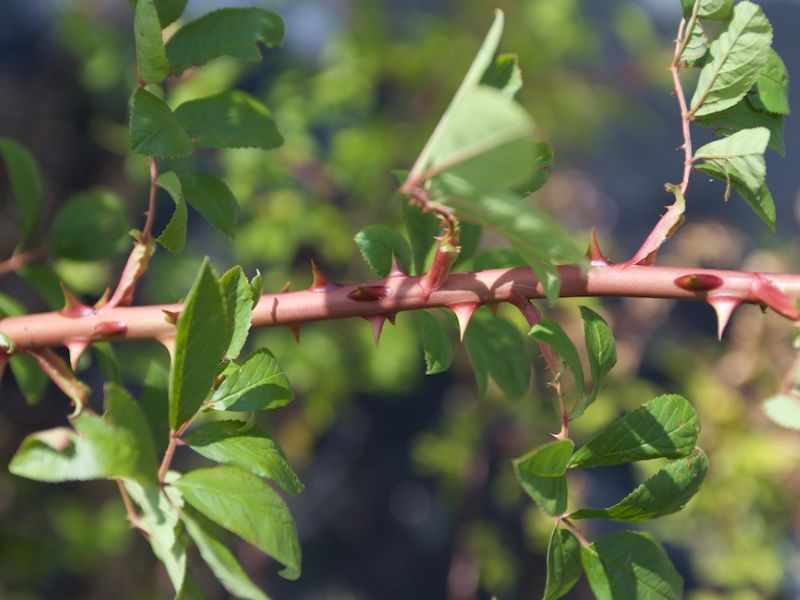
(421, 228)
(563, 564)
(708, 9)
(759, 200)
(154, 130)
(630, 565)
(26, 184)
(742, 115)
(213, 199)
(739, 55)
(257, 384)
(159, 517)
(173, 238)
(666, 427)
(200, 340)
(435, 344)
(230, 119)
(531, 233)
(771, 93)
(696, 45)
(251, 449)
(220, 559)
(740, 155)
(233, 32)
(246, 505)
(543, 155)
(505, 75)
(783, 409)
(151, 58)
(116, 445)
(91, 225)
(378, 243)
(541, 475)
(495, 347)
(169, 10)
(554, 336)
(239, 303)
(664, 493)
(601, 350)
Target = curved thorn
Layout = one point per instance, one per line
(396, 270)
(391, 317)
(594, 253)
(463, 312)
(103, 300)
(171, 316)
(76, 349)
(73, 308)
(377, 322)
(295, 329)
(724, 307)
(320, 283)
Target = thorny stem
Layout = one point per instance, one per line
(20, 260)
(685, 115)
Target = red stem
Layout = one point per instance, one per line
(20, 260)
(404, 293)
(151, 204)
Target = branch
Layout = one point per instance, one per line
(18, 261)
(723, 290)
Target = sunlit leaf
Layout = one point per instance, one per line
(151, 58)
(257, 384)
(154, 130)
(212, 198)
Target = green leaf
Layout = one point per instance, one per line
(505, 75)
(664, 493)
(151, 58)
(91, 225)
(229, 31)
(553, 335)
(666, 426)
(740, 155)
(601, 350)
(169, 10)
(772, 88)
(154, 130)
(541, 475)
(378, 243)
(117, 445)
(708, 9)
(200, 340)
(496, 347)
(173, 238)
(421, 228)
(257, 384)
(531, 233)
(160, 518)
(219, 558)
(543, 154)
(563, 564)
(239, 303)
(154, 401)
(26, 184)
(759, 200)
(435, 343)
(212, 198)
(630, 565)
(230, 119)
(696, 46)
(742, 115)
(783, 409)
(739, 55)
(486, 143)
(246, 505)
(107, 361)
(251, 449)
(498, 258)
(30, 379)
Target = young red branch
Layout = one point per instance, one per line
(20, 260)
(404, 293)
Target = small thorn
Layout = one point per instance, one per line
(493, 308)
(698, 282)
(377, 326)
(109, 328)
(171, 316)
(464, 312)
(724, 307)
(76, 349)
(73, 307)
(391, 317)
(103, 300)
(396, 270)
(285, 287)
(319, 282)
(594, 253)
(369, 293)
(295, 329)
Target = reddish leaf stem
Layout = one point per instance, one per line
(20, 260)
(151, 205)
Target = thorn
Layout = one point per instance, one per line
(698, 282)
(108, 328)
(295, 329)
(368, 293)
(76, 349)
(103, 300)
(594, 253)
(73, 308)
(377, 325)
(724, 307)
(171, 316)
(494, 308)
(463, 312)
(392, 317)
(285, 287)
(396, 270)
(319, 282)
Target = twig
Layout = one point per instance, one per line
(130, 509)
(675, 68)
(151, 205)
(169, 453)
(18, 261)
